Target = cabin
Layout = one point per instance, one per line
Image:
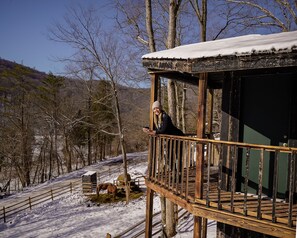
(251, 190)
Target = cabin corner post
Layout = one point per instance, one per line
(149, 191)
(202, 92)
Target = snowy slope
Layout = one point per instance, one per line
(72, 216)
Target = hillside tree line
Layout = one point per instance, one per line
(51, 125)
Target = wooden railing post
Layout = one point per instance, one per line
(4, 215)
(30, 204)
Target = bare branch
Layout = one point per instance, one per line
(267, 13)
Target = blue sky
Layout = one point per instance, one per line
(24, 31)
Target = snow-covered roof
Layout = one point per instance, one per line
(89, 173)
(242, 45)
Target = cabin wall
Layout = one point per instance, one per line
(258, 110)
(265, 119)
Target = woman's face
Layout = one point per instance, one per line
(157, 111)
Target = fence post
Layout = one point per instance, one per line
(70, 187)
(4, 215)
(52, 195)
(30, 204)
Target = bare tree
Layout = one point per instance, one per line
(201, 13)
(49, 104)
(101, 51)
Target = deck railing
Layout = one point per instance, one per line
(240, 171)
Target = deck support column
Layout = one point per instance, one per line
(149, 212)
(202, 92)
(150, 192)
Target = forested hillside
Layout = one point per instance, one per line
(50, 125)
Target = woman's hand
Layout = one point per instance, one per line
(148, 131)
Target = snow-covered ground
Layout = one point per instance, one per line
(71, 215)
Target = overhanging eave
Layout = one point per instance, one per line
(224, 63)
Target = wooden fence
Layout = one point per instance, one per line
(7, 212)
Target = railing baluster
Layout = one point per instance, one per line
(159, 157)
(166, 161)
(193, 157)
(182, 172)
(246, 179)
(209, 156)
(275, 184)
(188, 164)
(182, 168)
(230, 158)
(153, 158)
(233, 179)
(173, 166)
(260, 182)
(220, 175)
(150, 157)
(160, 162)
(292, 158)
(169, 162)
(177, 165)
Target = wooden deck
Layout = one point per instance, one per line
(237, 209)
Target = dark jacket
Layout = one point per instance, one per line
(166, 126)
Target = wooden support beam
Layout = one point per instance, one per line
(149, 213)
(150, 192)
(202, 92)
(200, 134)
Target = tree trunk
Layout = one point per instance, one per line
(163, 213)
(170, 219)
(173, 9)
(149, 25)
(68, 156)
(50, 158)
(122, 141)
(89, 133)
(171, 101)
